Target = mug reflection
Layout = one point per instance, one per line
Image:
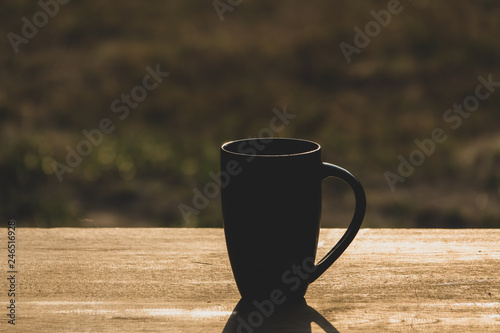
(255, 317)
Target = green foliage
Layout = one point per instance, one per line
(225, 79)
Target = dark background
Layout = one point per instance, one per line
(226, 78)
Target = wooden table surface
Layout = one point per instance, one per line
(180, 280)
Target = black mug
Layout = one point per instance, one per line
(271, 206)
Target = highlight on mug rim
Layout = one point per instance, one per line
(270, 147)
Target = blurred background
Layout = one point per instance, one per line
(231, 69)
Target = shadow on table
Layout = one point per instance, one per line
(290, 317)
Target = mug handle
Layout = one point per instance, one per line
(331, 170)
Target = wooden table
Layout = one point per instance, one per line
(180, 280)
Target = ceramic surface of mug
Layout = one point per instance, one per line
(271, 205)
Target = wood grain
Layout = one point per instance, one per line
(180, 280)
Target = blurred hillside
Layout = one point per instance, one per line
(225, 79)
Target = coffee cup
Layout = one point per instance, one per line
(271, 207)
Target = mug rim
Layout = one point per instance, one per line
(225, 145)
